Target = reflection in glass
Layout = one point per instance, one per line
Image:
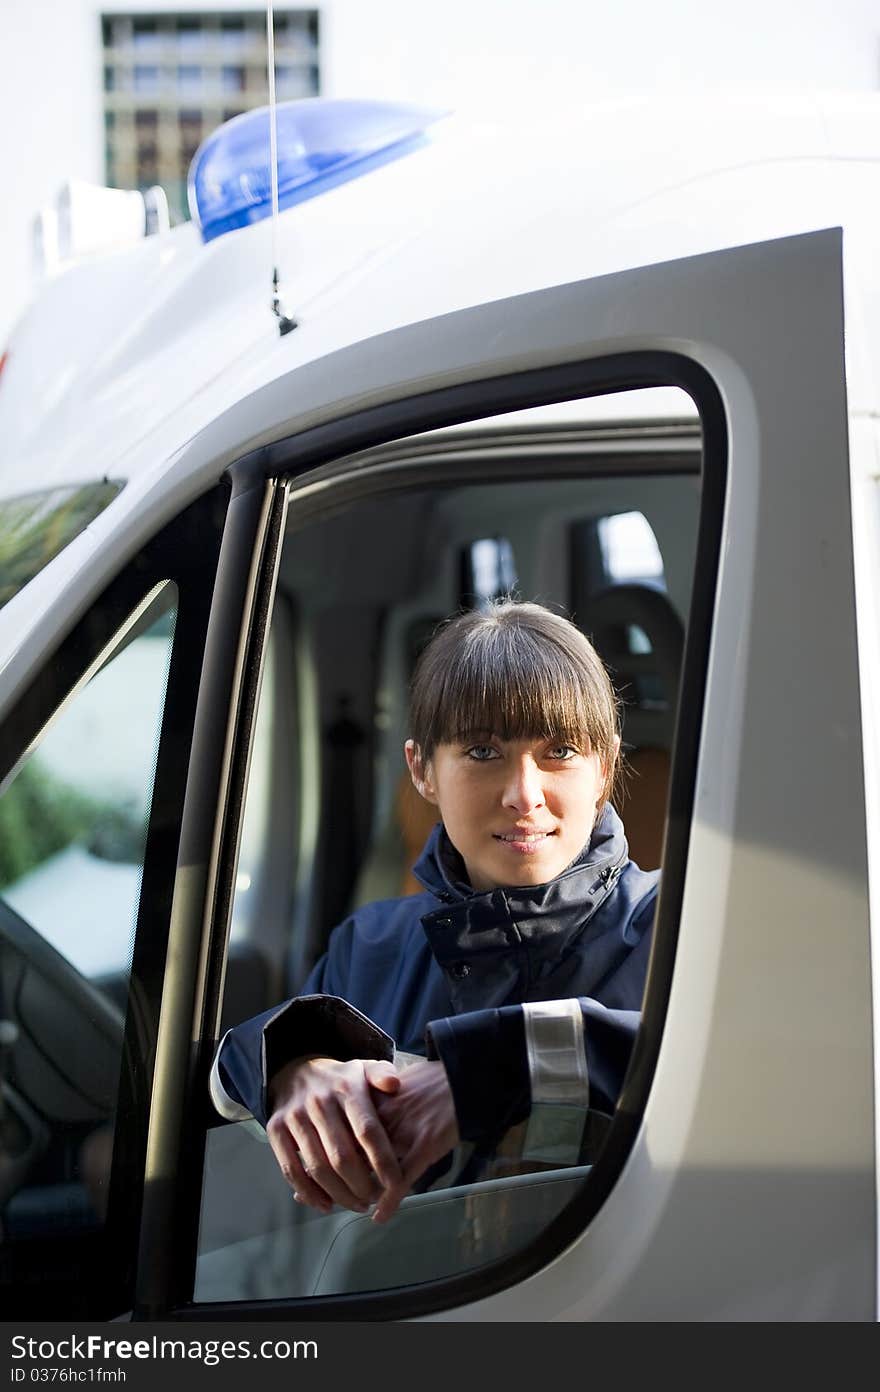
(73, 826)
(73, 821)
(36, 526)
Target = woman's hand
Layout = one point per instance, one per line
(326, 1134)
(419, 1118)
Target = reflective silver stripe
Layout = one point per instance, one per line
(556, 1054)
(226, 1105)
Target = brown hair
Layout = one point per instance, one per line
(518, 670)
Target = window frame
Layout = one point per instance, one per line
(319, 456)
(204, 882)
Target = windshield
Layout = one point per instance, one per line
(36, 526)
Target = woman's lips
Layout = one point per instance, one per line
(523, 842)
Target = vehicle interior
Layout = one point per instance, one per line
(598, 521)
(615, 553)
(606, 536)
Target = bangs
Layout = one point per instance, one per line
(515, 684)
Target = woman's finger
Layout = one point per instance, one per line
(332, 1157)
(371, 1138)
(382, 1075)
(390, 1201)
(286, 1153)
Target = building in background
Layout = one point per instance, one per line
(170, 79)
(123, 92)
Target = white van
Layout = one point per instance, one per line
(624, 362)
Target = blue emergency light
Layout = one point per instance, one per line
(321, 142)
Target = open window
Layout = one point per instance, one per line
(369, 566)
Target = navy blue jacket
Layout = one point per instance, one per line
(444, 974)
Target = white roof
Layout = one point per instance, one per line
(137, 350)
(125, 358)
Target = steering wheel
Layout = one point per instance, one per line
(64, 1050)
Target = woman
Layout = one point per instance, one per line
(516, 975)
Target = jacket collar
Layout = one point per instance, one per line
(535, 924)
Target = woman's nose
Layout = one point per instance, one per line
(523, 789)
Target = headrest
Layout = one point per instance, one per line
(646, 675)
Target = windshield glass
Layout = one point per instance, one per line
(36, 526)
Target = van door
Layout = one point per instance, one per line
(94, 753)
(737, 1177)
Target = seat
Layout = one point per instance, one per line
(640, 637)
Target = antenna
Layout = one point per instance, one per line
(285, 324)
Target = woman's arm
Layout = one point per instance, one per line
(309, 1071)
(485, 1069)
(251, 1054)
(317, 1021)
(499, 1061)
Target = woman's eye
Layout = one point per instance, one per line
(481, 752)
(562, 752)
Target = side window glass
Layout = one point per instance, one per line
(73, 827)
(612, 547)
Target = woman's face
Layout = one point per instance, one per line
(517, 811)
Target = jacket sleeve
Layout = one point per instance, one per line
(501, 1061)
(318, 1021)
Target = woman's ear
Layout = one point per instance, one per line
(419, 772)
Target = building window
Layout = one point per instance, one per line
(170, 79)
